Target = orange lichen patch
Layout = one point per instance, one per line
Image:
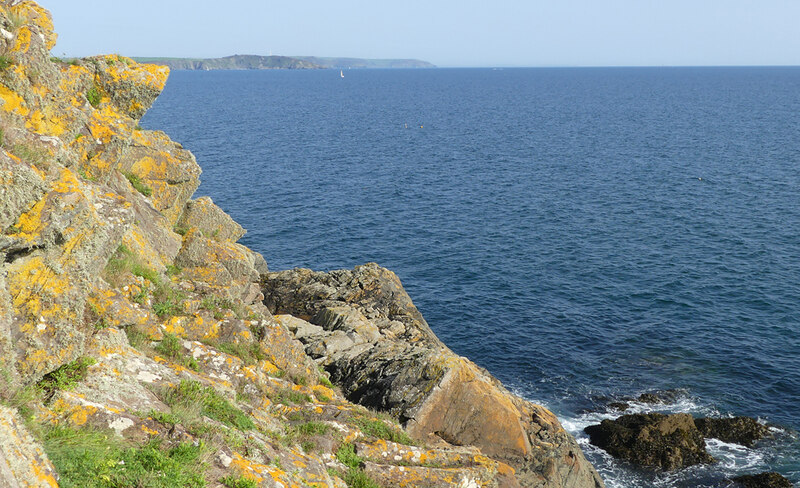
(30, 281)
(120, 68)
(50, 121)
(106, 123)
(147, 430)
(13, 103)
(261, 472)
(43, 475)
(22, 42)
(320, 390)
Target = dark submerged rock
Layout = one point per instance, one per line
(660, 397)
(663, 441)
(738, 430)
(762, 480)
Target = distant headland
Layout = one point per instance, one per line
(249, 61)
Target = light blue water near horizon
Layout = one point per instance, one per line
(585, 234)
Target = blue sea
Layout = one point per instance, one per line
(585, 234)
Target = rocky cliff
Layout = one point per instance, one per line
(141, 345)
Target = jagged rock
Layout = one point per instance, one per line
(132, 87)
(399, 365)
(23, 463)
(762, 480)
(657, 440)
(211, 220)
(738, 430)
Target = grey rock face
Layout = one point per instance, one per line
(363, 327)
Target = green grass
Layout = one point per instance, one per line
(171, 348)
(249, 353)
(288, 396)
(313, 428)
(191, 398)
(355, 477)
(5, 63)
(86, 458)
(167, 301)
(31, 155)
(136, 338)
(67, 376)
(346, 454)
(93, 96)
(138, 185)
(381, 430)
(240, 482)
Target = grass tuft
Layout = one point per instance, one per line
(381, 430)
(93, 96)
(191, 395)
(138, 185)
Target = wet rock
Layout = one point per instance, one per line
(738, 430)
(619, 406)
(663, 441)
(762, 480)
(661, 396)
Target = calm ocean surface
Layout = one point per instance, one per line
(585, 234)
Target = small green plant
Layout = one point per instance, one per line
(5, 63)
(136, 338)
(240, 482)
(301, 380)
(173, 270)
(357, 478)
(93, 96)
(138, 185)
(191, 394)
(67, 376)
(74, 62)
(381, 430)
(249, 353)
(287, 396)
(32, 155)
(180, 230)
(162, 417)
(313, 428)
(172, 348)
(346, 454)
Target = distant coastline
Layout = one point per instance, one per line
(248, 62)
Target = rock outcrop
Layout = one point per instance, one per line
(762, 480)
(738, 430)
(656, 440)
(364, 329)
(135, 344)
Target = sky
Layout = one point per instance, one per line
(444, 32)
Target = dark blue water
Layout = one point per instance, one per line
(582, 233)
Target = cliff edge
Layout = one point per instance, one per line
(141, 345)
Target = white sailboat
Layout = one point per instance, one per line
(341, 73)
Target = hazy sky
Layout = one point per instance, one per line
(444, 32)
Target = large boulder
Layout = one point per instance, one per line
(363, 327)
(656, 440)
